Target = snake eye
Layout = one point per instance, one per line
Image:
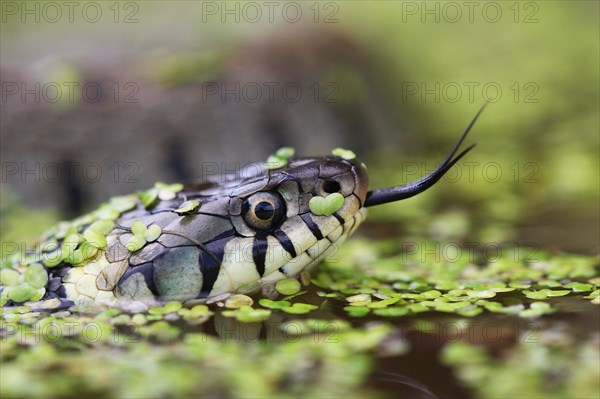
(264, 210)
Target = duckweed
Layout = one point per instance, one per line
(280, 158)
(247, 314)
(238, 301)
(289, 286)
(299, 308)
(346, 154)
(188, 207)
(35, 276)
(268, 303)
(326, 206)
(142, 234)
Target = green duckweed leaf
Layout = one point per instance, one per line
(469, 311)
(593, 295)
(188, 207)
(168, 192)
(84, 252)
(122, 204)
(395, 311)
(537, 309)
(285, 152)
(541, 294)
(172, 306)
(138, 228)
(237, 301)
(9, 277)
(21, 293)
(550, 283)
(481, 294)
(157, 311)
(357, 311)
(102, 226)
(383, 303)
(326, 206)
(247, 314)
(431, 294)
(518, 284)
(417, 308)
(174, 187)
(299, 308)
(502, 289)
(579, 287)
(54, 258)
(152, 233)
(148, 197)
(555, 293)
(513, 309)
(545, 293)
(359, 298)
(36, 276)
(95, 238)
(268, 303)
(289, 286)
(135, 243)
(107, 213)
(275, 162)
(343, 153)
(199, 311)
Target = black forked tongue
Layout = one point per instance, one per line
(397, 193)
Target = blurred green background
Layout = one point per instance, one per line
(395, 81)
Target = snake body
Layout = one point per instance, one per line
(237, 234)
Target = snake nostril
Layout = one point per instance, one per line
(331, 186)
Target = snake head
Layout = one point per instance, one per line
(289, 218)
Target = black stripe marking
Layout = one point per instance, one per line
(210, 264)
(339, 218)
(312, 226)
(259, 252)
(55, 287)
(285, 242)
(61, 292)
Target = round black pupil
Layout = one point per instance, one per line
(331, 186)
(264, 210)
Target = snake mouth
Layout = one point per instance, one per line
(397, 193)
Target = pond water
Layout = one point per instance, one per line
(374, 322)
